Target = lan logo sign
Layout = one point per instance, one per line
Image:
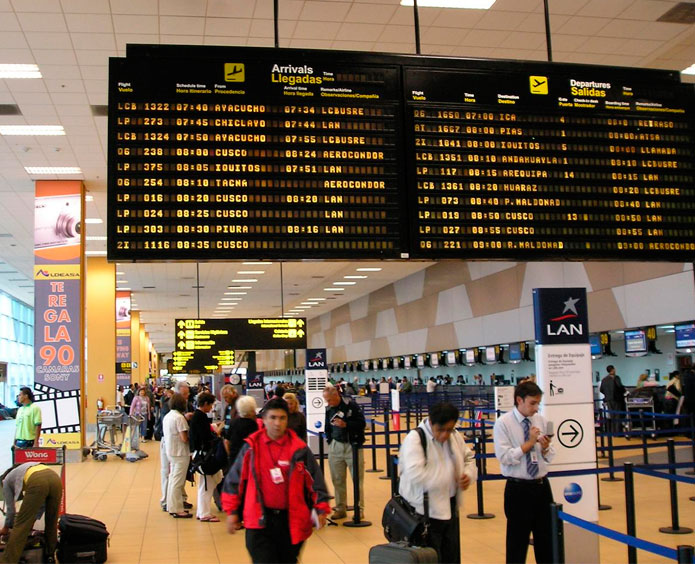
(234, 72)
(538, 84)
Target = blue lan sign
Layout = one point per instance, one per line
(573, 492)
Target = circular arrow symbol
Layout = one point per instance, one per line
(317, 403)
(570, 433)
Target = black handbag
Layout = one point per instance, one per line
(400, 520)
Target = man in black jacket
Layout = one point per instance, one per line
(344, 427)
(614, 395)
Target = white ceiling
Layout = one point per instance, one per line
(71, 41)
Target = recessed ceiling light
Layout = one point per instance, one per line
(121, 289)
(19, 71)
(245, 280)
(344, 283)
(53, 170)
(121, 282)
(333, 289)
(94, 220)
(250, 263)
(309, 303)
(463, 4)
(96, 238)
(251, 272)
(233, 293)
(355, 277)
(119, 273)
(689, 70)
(30, 130)
(98, 254)
(239, 287)
(369, 269)
(236, 293)
(303, 307)
(316, 299)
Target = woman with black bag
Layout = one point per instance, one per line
(443, 469)
(205, 445)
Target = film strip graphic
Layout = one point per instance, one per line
(60, 410)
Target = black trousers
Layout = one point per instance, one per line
(272, 544)
(444, 537)
(527, 508)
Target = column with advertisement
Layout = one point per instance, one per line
(123, 358)
(563, 368)
(59, 323)
(315, 380)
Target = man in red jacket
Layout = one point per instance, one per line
(277, 486)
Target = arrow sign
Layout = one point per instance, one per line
(300, 333)
(181, 324)
(181, 334)
(300, 323)
(570, 433)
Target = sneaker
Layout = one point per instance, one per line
(187, 505)
(164, 507)
(338, 515)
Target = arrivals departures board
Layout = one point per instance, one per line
(220, 153)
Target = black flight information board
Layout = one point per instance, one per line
(222, 153)
(206, 344)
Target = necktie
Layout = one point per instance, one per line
(531, 468)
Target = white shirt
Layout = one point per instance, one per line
(174, 423)
(431, 386)
(439, 476)
(509, 436)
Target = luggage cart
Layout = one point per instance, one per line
(131, 442)
(109, 427)
(634, 406)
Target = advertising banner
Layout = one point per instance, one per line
(123, 351)
(58, 290)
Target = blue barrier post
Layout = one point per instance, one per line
(479, 482)
(387, 443)
(357, 515)
(394, 475)
(645, 450)
(374, 468)
(321, 463)
(611, 475)
(557, 534)
(630, 510)
(692, 439)
(675, 528)
(602, 436)
(686, 554)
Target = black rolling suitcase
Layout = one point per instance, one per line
(82, 539)
(401, 553)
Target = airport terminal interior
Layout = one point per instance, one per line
(399, 289)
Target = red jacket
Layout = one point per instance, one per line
(241, 491)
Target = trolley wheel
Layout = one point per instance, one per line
(102, 457)
(121, 455)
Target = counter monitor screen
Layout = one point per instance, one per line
(470, 356)
(685, 336)
(490, 355)
(595, 344)
(635, 342)
(515, 352)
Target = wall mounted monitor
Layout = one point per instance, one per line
(449, 358)
(685, 336)
(515, 355)
(420, 361)
(491, 355)
(471, 356)
(595, 344)
(365, 365)
(635, 343)
(375, 364)
(433, 360)
(384, 363)
(405, 361)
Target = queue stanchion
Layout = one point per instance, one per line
(321, 454)
(387, 443)
(357, 514)
(611, 475)
(602, 436)
(685, 553)
(479, 482)
(483, 443)
(394, 475)
(692, 444)
(407, 416)
(373, 432)
(601, 506)
(675, 528)
(630, 510)
(557, 534)
(645, 449)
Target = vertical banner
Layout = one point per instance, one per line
(123, 338)
(563, 368)
(315, 380)
(58, 323)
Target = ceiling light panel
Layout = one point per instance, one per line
(34, 170)
(19, 71)
(460, 4)
(31, 130)
(251, 272)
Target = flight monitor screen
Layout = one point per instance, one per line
(229, 153)
(490, 355)
(595, 344)
(470, 356)
(205, 344)
(685, 336)
(514, 352)
(635, 342)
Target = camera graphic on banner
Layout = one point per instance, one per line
(57, 221)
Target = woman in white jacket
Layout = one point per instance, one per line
(444, 472)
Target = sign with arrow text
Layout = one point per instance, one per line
(205, 344)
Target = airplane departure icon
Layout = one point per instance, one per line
(538, 84)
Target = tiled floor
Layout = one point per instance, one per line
(126, 497)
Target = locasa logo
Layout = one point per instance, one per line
(565, 326)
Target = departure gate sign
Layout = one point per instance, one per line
(206, 344)
(220, 153)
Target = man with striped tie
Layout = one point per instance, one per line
(524, 452)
